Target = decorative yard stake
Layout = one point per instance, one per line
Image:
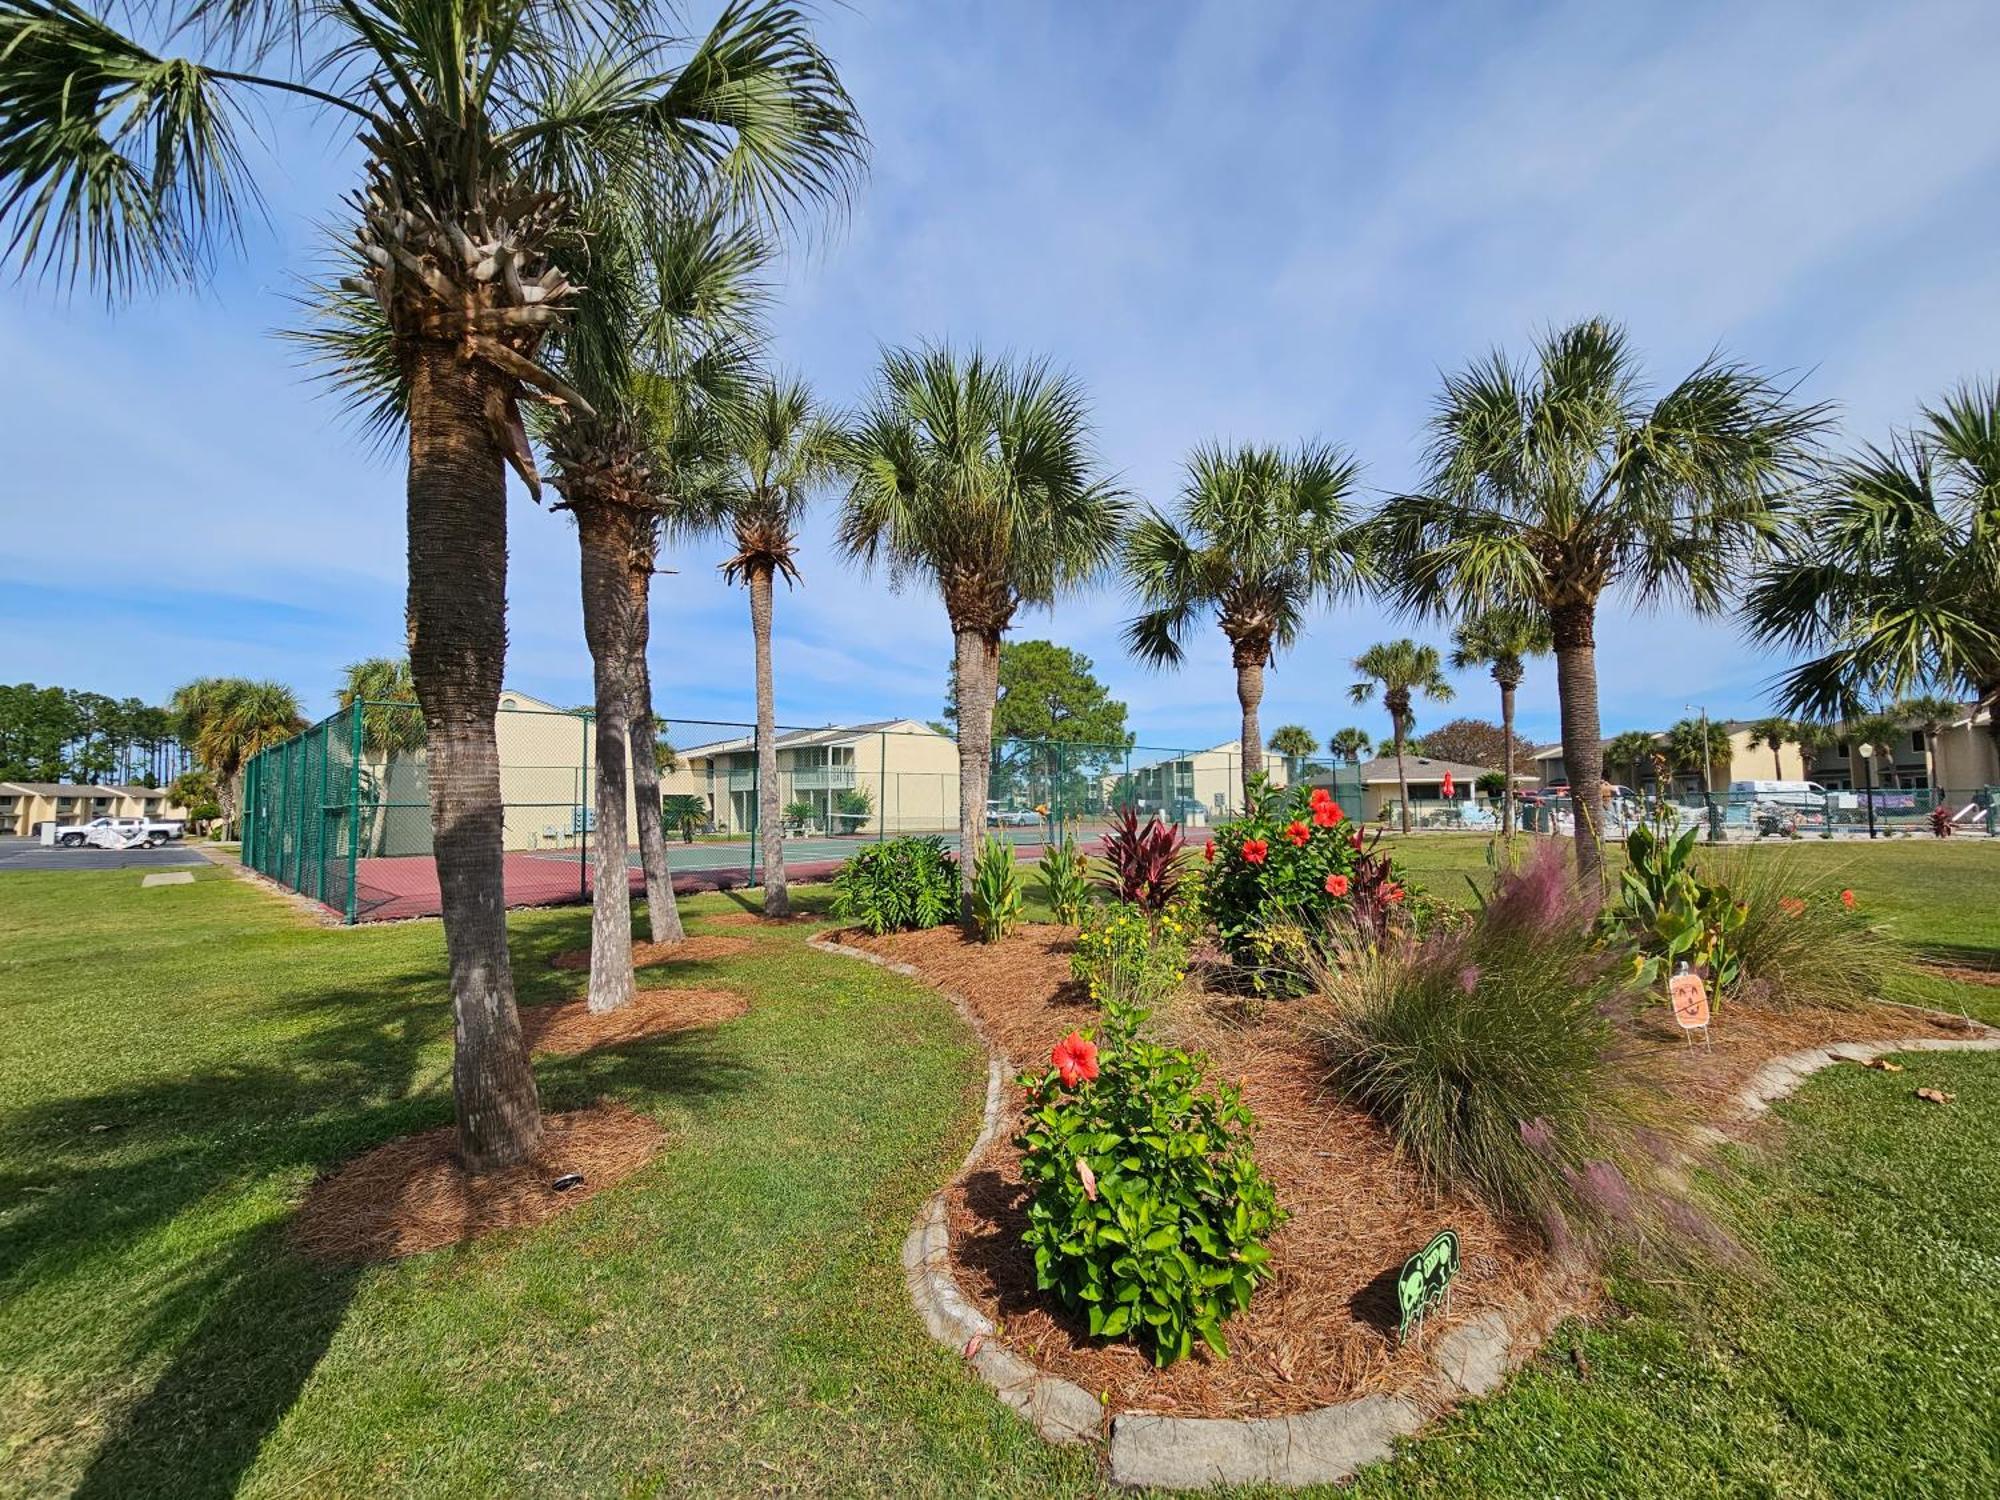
(1425, 1282)
(1689, 997)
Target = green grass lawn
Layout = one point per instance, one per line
(177, 1064)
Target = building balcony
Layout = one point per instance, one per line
(823, 778)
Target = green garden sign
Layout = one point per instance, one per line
(1426, 1281)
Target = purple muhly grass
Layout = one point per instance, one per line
(1541, 897)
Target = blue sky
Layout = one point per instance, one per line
(1238, 221)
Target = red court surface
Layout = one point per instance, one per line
(389, 890)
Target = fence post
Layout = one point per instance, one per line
(756, 795)
(247, 853)
(581, 817)
(353, 912)
(882, 788)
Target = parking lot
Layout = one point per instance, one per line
(31, 854)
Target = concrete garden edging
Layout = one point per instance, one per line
(1325, 1446)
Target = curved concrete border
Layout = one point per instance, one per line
(1317, 1447)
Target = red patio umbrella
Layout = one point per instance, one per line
(1449, 788)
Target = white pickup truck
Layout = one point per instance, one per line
(113, 833)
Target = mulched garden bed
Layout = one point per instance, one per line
(572, 1027)
(756, 919)
(649, 955)
(1321, 1331)
(412, 1194)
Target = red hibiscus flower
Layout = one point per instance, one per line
(1847, 899)
(1327, 813)
(1392, 892)
(1254, 851)
(1336, 885)
(1298, 833)
(1321, 794)
(1075, 1057)
(1208, 852)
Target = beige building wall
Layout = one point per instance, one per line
(24, 805)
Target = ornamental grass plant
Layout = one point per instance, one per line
(1805, 939)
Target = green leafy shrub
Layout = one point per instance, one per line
(1803, 940)
(1148, 1214)
(996, 890)
(1065, 877)
(897, 885)
(1668, 915)
(1489, 1057)
(1128, 956)
(799, 814)
(1279, 879)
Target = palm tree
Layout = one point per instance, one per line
(486, 129)
(977, 475)
(1811, 736)
(1549, 486)
(1295, 743)
(783, 448)
(1773, 733)
(1502, 640)
(1349, 744)
(1890, 573)
(1699, 745)
(1931, 713)
(1260, 536)
(1633, 750)
(392, 724)
(1879, 731)
(225, 720)
(1399, 669)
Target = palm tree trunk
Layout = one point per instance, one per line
(458, 648)
(604, 541)
(777, 902)
(1575, 630)
(1249, 694)
(978, 682)
(1507, 758)
(1402, 782)
(663, 912)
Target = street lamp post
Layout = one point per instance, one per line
(1868, 784)
(1707, 773)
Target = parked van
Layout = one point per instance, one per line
(1785, 793)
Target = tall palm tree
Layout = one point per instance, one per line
(1502, 640)
(1295, 743)
(783, 449)
(1700, 746)
(1633, 750)
(1349, 744)
(392, 724)
(486, 128)
(1890, 574)
(1811, 736)
(1773, 733)
(1879, 730)
(1551, 485)
(1930, 713)
(226, 720)
(977, 475)
(1400, 669)
(1259, 537)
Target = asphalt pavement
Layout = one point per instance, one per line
(31, 854)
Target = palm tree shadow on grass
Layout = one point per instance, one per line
(243, 1332)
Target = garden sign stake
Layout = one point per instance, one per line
(1425, 1282)
(1690, 1001)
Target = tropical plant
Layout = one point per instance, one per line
(853, 806)
(782, 448)
(1297, 744)
(1147, 1212)
(1773, 733)
(1260, 536)
(896, 885)
(1668, 915)
(194, 791)
(1931, 714)
(799, 813)
(1633, 751)
(1550, 486)
(486, 130)
(1502, 640)
(1126, 955)
(684, 812)
(997, 899)
(976, 475)
(1142, 861)
(392, 724)
(1803, 941)
(1700, 747)
(224, 721)
(1349, 744)
(1065, 877)
(1400, 669)
(1889, 574)
(1488, 1056)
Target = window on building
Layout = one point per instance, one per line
(1917, 742)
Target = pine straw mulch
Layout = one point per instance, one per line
(756, 919)
(573, 1027)
(650, 955)
(411, 1195)
(1960, 972)
(1321, 1330)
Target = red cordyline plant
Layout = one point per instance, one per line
(1142, 861)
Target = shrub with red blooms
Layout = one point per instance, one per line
(1941, 824)
(1142, 861)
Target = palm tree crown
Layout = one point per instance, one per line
(1554, 483)
(1400, 669)
(1772, 733)
(1633, 752)
(784, 448)
(1350, 744)
(1501, 639)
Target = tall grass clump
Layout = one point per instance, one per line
(1488, 1054)
(1807, 941)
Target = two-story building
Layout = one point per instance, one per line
(890, 776)
(26, 805)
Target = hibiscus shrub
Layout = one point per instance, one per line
(1148, 1214)
(897, 884)
(1279, 878)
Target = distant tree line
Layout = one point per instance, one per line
(64, 735)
